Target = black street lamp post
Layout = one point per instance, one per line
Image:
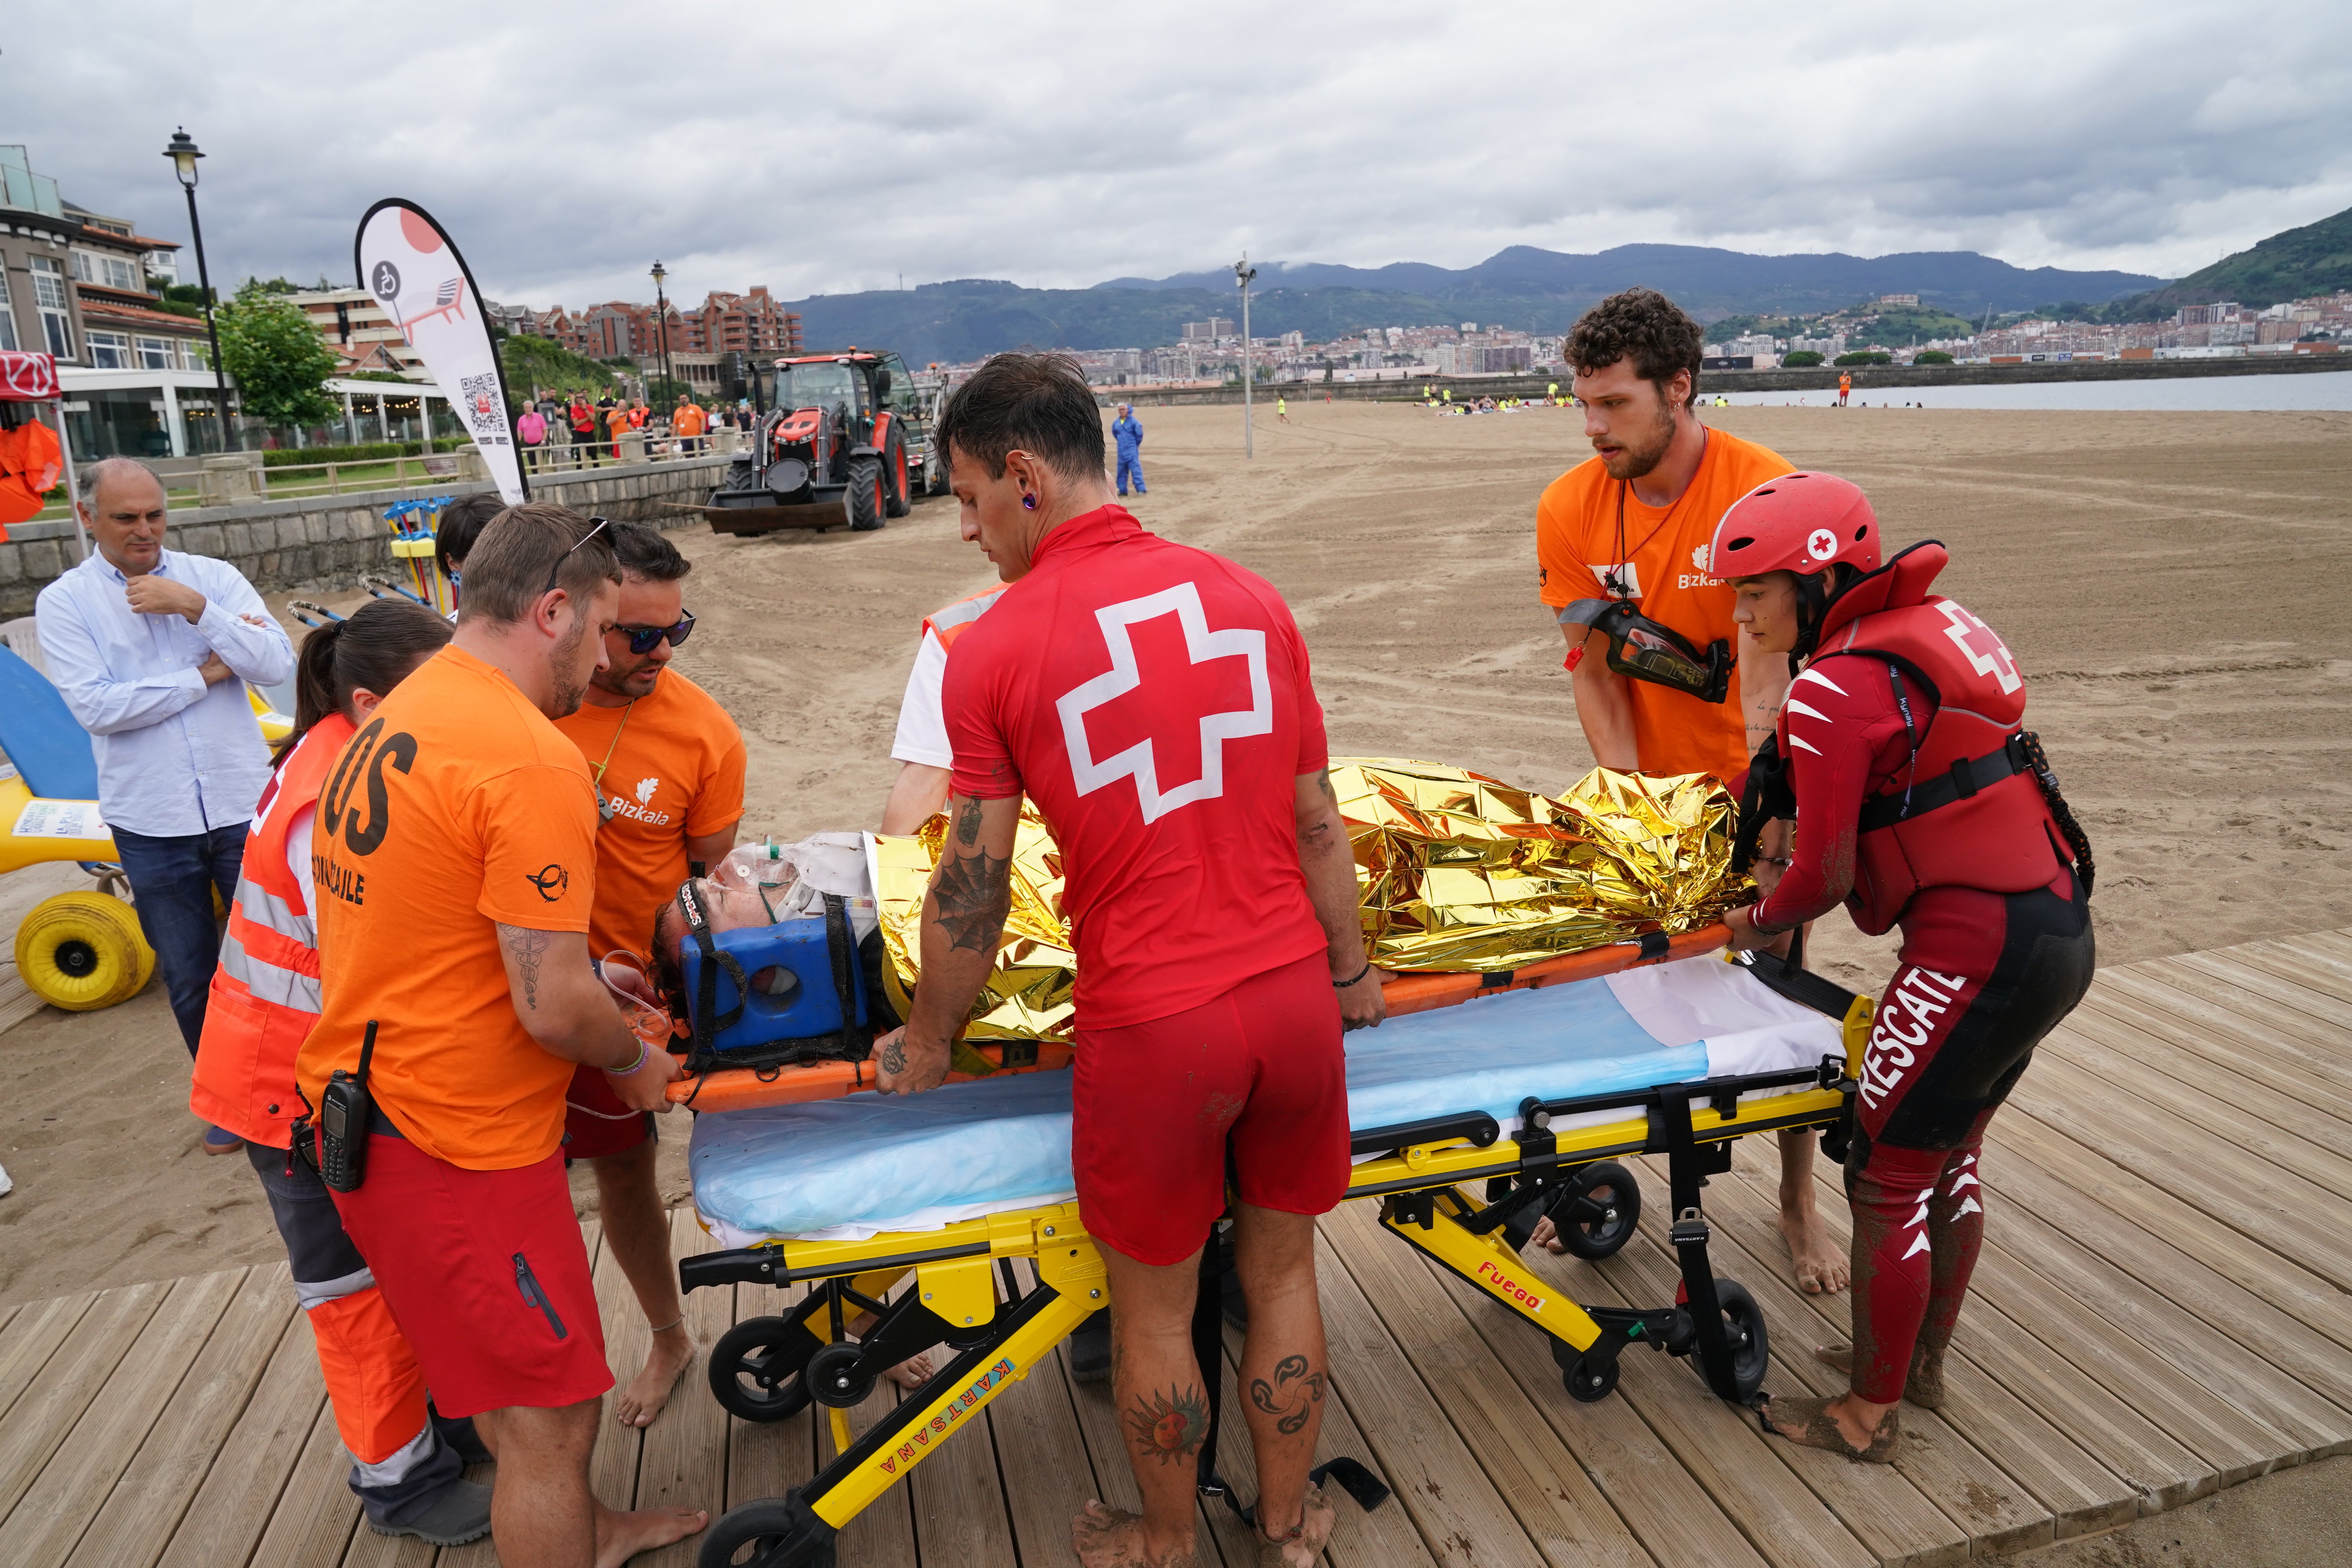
(184, 153)
(661, 317)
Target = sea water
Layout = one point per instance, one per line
(2303, 391)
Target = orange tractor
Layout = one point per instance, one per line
(843, 443)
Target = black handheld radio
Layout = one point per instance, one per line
(344, 1112)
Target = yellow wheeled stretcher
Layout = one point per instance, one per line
(853, 1195)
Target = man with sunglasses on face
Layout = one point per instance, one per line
(669, 765)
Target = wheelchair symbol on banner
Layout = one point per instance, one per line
(383, 281)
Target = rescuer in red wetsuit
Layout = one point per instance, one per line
(1919, 802)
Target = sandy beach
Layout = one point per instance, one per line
(2172, 583)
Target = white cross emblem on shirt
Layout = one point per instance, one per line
(1201, 644)
(1994, 660)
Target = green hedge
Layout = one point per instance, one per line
(1862, 356)
(1802, 360)
(373, 451)
(1931, 356)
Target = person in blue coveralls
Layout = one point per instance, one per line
(1128, 431)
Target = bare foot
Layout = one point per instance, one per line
(637, 1405)
(621, 1536)
(1547, 1236)
(1820, 1267)
(1113, 1538)
(1301, 1550)
(912, 1373)
(1842, 1425)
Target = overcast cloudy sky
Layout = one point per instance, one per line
(832, 148)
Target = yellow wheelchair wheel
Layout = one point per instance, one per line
(83, 952)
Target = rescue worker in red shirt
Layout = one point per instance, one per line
(406, 1465)
(1920, 803)
(1154, 703)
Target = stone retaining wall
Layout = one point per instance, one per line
(327, 541)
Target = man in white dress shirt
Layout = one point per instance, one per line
(151, 649)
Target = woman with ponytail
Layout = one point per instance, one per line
(407, 1462)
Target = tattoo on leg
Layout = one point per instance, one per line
(974, 894)
(1291, 1398)
(527, 947)
(1169, 1427)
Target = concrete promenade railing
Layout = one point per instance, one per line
(328, 541)
(1824, 378)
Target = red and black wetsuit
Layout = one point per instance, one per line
(1997, 944)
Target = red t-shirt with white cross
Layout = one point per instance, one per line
(1153, 701)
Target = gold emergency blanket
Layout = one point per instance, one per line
(1456, 870)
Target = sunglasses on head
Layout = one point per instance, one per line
(553, 572)
(643, 639)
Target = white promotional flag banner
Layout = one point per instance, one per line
(408, 262)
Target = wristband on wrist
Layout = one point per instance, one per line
(1343, 985)
(643, 1050)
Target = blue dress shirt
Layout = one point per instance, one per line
(175, 757)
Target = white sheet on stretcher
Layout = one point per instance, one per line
(848, 1168)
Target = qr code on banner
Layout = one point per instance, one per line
(484, 408)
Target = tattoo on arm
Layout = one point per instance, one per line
(974, 894)
(1169, 1426)
(529, 947)
(968, 822)
(1291, 1398)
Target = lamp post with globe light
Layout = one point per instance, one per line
(1243, 274)
(661, 319)
(184, 153)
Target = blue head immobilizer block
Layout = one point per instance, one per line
(791, 969)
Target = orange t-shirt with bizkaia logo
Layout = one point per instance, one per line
(671, 766)
(1662, 566)
(455, 809)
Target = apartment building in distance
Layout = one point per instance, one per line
(74, 283)
(753, 323)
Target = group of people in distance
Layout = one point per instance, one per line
(444, 873)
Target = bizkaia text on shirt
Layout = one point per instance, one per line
(1179, 692)
(621, 806)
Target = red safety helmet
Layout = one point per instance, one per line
(1803, 523)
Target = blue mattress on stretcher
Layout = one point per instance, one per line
(847, 1169)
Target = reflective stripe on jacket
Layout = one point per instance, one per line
(265, 995)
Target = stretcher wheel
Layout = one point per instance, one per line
(834, 1380)
(757, 1366)
(1590, 1379)
(1596, 1216)
(1743, 1326)
(775, 1533)
(84, 950)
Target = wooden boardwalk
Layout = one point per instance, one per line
(2161, 1311)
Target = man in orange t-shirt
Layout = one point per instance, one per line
(1633, 522)
(669, 767)
(454, 855)
(687, 424)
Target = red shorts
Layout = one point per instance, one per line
(1154, 1105)
(595, 1122)
(485, 1274)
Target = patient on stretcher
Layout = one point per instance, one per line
(728, 907)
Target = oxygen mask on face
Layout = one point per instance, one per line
(1643, 649)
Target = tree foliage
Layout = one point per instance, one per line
(1801, 359)
(276, 356)
(543, 364)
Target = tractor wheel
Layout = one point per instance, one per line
(81, 951)
(935, 473)
(896, 501)
(864, 500)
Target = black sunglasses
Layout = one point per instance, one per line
(553, 570)
(643, 639)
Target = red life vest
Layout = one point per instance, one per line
(1974, 815)
(265, 995)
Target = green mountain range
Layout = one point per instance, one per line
(2295, 265)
